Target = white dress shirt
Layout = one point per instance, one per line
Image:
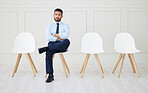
(64, 31)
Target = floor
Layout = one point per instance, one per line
(24, 82)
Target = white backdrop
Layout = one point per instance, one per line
(105, 17)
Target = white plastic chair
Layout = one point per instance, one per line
(24, 43)
(91, 44)
(124, 44)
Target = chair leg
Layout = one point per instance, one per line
(53, 56)
(99, 64)
(85, 64)
(131, 63)
(62, 60)
(136, 68)
(30, 64)
(52, 59)
(102, 68)
(117, 63)
(121, 65)
(65, 64)
(17, 63)
(45, 75)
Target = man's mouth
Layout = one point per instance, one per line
(57, 19)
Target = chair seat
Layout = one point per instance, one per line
(23, 52)
(92, 52)
(128, 51)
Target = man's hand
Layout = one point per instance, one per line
(56, 35)
(58, 39)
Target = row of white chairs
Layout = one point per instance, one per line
(91, 43)
(123, 43)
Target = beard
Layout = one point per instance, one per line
(58, 20)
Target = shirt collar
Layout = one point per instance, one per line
(58, 22)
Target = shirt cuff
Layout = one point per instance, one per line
(53, 39)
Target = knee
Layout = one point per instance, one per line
(67, 41)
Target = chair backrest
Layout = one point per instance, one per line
(124, 42)
(24, 43)
(91, 43)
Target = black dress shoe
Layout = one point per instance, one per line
(50, 78)
(41, 50)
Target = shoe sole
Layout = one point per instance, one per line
(50, 81)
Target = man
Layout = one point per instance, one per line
(57, 34)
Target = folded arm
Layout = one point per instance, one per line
(50, 37)
(64, 35)
(57, 37)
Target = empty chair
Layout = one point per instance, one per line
(124, 44)
(91, 44)
(24, 43)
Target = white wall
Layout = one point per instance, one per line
(106, 17)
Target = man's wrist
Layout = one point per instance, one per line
(56, 35)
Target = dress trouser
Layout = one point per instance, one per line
(55, 47)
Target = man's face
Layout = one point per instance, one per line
(57, 16)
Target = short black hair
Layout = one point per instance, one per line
(60, 10)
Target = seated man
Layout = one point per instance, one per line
(57, 34)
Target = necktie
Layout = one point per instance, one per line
(57, 31)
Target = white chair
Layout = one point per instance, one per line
(64, 64)
(24, 43)
(91, 44)
(124, 44)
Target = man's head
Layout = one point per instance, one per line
(58, 15)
